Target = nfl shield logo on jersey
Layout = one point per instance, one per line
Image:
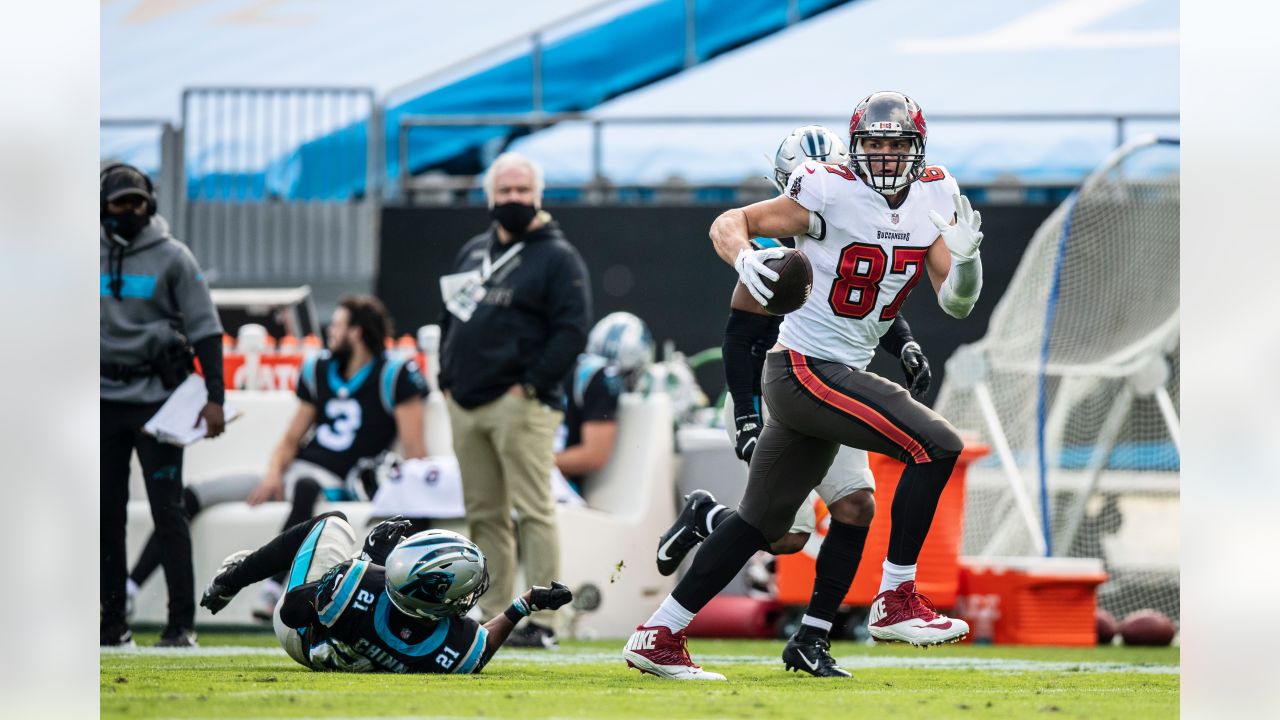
(894, 218)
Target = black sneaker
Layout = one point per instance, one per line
(533, 636)
(177, 637)
(117, 636)
(220, 592)
(684, 535)
(811, 655)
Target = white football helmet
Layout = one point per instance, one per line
(436, 574)
(624, 341)
(811, 142)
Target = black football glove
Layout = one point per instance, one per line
(384, 537)
(549, 598)
(749, 427)
(916, 367)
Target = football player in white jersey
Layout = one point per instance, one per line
(884, 216)
(848, 488)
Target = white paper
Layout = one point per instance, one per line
(175, 421)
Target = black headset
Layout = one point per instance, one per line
(102, 191)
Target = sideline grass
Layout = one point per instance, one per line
(244, 676)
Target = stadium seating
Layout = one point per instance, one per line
(606, 544)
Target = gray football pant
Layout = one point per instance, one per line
(814, 407)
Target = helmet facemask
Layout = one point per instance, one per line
(888, 115)
(901, 171)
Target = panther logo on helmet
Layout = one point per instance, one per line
(436, 574)
(888, 114)
(430, 586)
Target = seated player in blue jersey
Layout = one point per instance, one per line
(355, 401)
(396, 605)
(619, 350)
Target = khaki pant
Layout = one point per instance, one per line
(504, 453)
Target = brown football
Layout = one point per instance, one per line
(795, 281)
(1147, 627)
(1106, 626)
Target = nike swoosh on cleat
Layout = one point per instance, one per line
(944, 625)
(662, 551)
(812, 665)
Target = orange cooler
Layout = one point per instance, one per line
(939, 572)
(1030, 600)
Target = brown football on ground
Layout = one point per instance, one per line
(1106, 625)
(795, 281)
(1147, 627)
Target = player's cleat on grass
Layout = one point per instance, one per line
(177, 637)
(658, 651)
(684, 535)
(812, 655)
(220, 592)
(904, 615)
(116, 636)
(533, 636)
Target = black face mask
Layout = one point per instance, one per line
(514, 217)
(126, 225)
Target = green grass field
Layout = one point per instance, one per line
(247, 676)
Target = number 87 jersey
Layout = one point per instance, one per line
(867, 262)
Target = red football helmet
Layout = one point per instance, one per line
(888, 114)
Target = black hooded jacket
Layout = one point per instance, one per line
(528, 329)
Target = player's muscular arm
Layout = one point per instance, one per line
(272, 485)
(410, 426)
(593, 452)
(780, 217)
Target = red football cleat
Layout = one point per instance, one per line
(904, 615)
(658, 651)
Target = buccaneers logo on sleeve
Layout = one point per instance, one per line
(794, 192)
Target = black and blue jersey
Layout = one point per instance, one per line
(355, 418)
(349, 624)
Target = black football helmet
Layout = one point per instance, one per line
(888, 114)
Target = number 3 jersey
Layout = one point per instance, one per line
(355, 418)
(355, 628)
(868, 261)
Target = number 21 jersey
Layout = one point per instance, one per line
(866, 264)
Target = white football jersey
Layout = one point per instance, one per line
(868, 262)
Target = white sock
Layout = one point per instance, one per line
(895, 575)
(711, 514)
(671, 615)
(814, 622)
(130, 587)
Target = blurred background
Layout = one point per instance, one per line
(336, 145)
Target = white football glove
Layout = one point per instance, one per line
(964, 237)
(752, 271)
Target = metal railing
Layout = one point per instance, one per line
(539, 121)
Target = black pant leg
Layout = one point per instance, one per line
(162, 472)
(115, 447)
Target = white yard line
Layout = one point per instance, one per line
(851, 662)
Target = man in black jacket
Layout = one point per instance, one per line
(155, 313)
(517, 312)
